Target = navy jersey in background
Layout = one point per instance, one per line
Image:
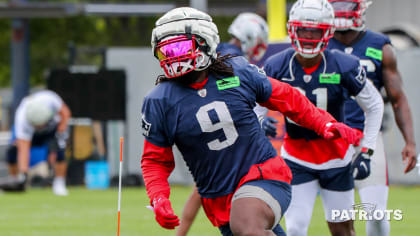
(369, 49)
(327, 87)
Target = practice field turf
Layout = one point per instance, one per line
(89, 212)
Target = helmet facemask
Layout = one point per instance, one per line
(349, 14)
(181, 54)
(309, 38)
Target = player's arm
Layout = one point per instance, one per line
(370, 100)
(372, 104)
(157, 163)
(293, 104)
(65, 115)
(189, 212)
(23, 154)
(394, 89)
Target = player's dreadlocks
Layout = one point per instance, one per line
(219, 67)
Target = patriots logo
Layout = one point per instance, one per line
(260, 70)
(348, 50)
(369, 208)
(307, 78)
(202, 92)
(145, 126)
(361, 77)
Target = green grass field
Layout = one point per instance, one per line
(94, 212)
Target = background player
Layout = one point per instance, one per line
(377, 55)
(325, 77)
(41, 119)
(204, 105)
(249, 33)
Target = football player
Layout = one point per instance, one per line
(41, 119)
(249, 33)
(378, 57)
(325, 77)
(203, 104)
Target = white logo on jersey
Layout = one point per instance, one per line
(145, 125)
(348, 50)
(307, 78)
(260, 70)
(361, 77)
(202, 92)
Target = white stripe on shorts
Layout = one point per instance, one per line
(250, 191)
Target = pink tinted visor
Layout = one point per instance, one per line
(175, 47)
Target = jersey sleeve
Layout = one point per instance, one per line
(55, 100)
(157, 163)
(153, 123)
(297, 107)
(355, 79)
(260, 82)
(23, 129)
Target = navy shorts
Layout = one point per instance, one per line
(280, 191)
(47, 139)
(335, 179)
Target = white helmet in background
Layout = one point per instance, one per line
(350, 14)
(184, 39)
(252, 30)
(314, 18)
(37, 112)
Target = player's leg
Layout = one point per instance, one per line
(14, 182)
(298, 216)
(377, 195)
(304, 190)
(189, 212)
(338, 200)
(60, 169)
(56, 157)
(12, 160)
(337, 194)
(257, 207)
(374, 190)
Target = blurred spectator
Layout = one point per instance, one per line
(41, 120)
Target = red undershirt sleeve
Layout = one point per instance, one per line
(293, 104)
(157, 163)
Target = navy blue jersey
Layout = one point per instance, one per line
(228, 48)
(369, 49)
(215, 128)
(327, 87)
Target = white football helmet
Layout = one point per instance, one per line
(37, 112)
(350, 14)
(252, 30)
(184, 39)
(310, 26)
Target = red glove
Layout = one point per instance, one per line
(341, 130)
(164, 214)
